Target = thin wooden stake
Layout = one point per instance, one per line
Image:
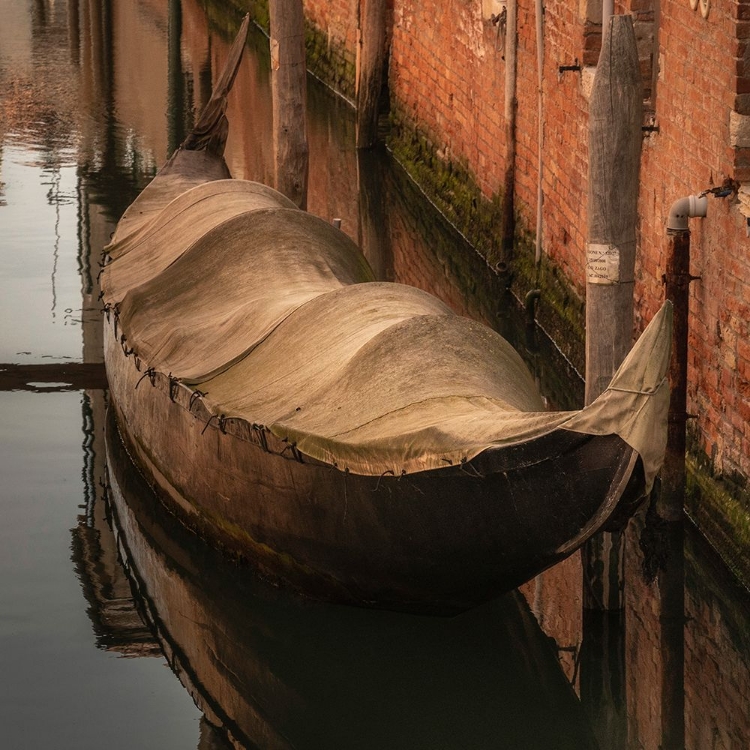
(370, 66)
(289, 98)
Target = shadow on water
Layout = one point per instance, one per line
(275, 671)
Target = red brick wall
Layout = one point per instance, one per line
(448, 74)
(434, 72)
(337, 18)
(447, 77)
(691, 152)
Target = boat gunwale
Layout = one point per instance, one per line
(191, 399)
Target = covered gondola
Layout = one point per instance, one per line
(354, 438)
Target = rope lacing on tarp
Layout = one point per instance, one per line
(194, 397)
(150, 374)
(173, 381)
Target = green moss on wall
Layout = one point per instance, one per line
(561, 311)
(449, 185)
(720, 507)
(330, 61)
(453, 189)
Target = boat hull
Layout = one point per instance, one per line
(437, 541)
(273, 671)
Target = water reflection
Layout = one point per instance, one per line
(57, 689)
(713, 633)
(117, 625)
(275, 671)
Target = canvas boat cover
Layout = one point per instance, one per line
(275, 316)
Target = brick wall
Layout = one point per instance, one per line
(334, 46)
(696, 92)
(447, 84)
(448, 75)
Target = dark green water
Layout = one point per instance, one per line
(95, 94)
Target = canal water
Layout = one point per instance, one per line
(118, 629)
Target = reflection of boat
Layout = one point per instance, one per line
(276, 671)
(355, 438)
(117, 625)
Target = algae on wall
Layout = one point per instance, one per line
(453, 189)
(720, 507)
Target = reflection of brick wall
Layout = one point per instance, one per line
(554, 598)
(330, 166)
(447, 80)
(717, 649)
(717, 699)
(642, 650)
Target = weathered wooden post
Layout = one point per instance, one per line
(371, 56)
(374, 228)
(615, 120)
(176, 130)
(289, 99)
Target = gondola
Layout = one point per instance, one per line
(354, 439)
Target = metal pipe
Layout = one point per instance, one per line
(511, 34)
(669, 505)
(690, 207)
(509, 182)
(531, 302)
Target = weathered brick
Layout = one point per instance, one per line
(448, 79)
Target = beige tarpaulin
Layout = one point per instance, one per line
(185, 170)
(267, 314)
(232, 287)
(184, 221)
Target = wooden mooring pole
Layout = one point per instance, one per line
(615, 120)
(289, 99)
(371, 58)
